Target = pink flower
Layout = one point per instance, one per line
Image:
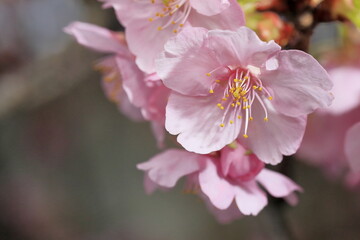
(228, 84)
(150, 23)
(137, 94)
(230, 176)
(331, 140)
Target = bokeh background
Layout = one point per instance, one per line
(67, 156)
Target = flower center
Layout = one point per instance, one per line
(242, 89)
(175, 11)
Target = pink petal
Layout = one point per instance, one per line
(185, 60)
(220, 192)
(244, 47)
(277, 184)
(146, 42)
(166, 168)
(210, 7)
(352, 147)
(133, 81)
(346, 89)
(230, 18)
(280, 135)
(129, 10)
(97, 38)
(197, 121)
(250, 198)
(300, 84)
(112, 85)
(238, 164)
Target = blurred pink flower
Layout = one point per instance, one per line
(138, 95)
(150, 23)
(226, 177)
(229, 83)
(332, 137)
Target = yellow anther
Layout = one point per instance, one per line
(224, 99)
(244, 107)
(245, 136)
(159, 28)
(251, 118)
(219, 105)
(260, 88)
(151, 19)
(211, 91)
(248, 106)
(177, 6)
(181, 25)
(218, 81)
(233, 105)
(208, 74)
(266, 119)
(246, 77)
(165, 9)
(245, 99)
(222, 108)
(270, 98)
(175, 31)
(243, 92)
(238, 103)
(173, 22)
(157, 14)
(222, 125)
(152, 1)
(235, 80)
(231, 121)
(227, 95)
(255, 87)
(239, 117)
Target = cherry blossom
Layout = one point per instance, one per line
(228, 179)
(228, 84)
(150, 23)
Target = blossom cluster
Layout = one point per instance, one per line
(236, 103)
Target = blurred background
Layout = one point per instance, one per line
(67, 156)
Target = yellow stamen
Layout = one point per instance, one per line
(245, 136)
(181, 25)
(270, 98)
(266, 119)
(218, 81)
(224, 99)
(151, 19)
(211, 91)
(159, 28)
(231, 121)
(222, 125)
(251, 118)
(175, 31)
(208, 74)
(239, 117)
